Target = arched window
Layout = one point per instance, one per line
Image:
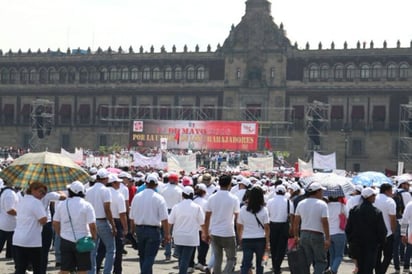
(62, 76)
(125, 74)
(103, 75)
(146, 74)
(93, 75)
(113, 74)
(4, 76)
(71, 76)
(404, 71)
(190, 73)
(156, 74)
(32, 76)
(324, 72)
(83, 75)
(313, 73)
(338, 72)
(376, 72)
(135, 74)
(391, 74)
(178, 73)
(168, 73)
(200, 75)
(365, 72)
(350, 72)
(51, 75)
(13, 76)
(43, 76)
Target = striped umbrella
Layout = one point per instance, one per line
(54, 170)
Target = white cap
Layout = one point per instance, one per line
(76, 187)
(280, 188)
(151, 178)
(102, 173)
(294, 186)
(368, 192)
(314, 186)
(246, 182)
(124, 174)
(202, 187)
(113, 178)
(188, 190)
(139, 174)
(93, 170)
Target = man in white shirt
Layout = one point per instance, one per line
(385, 203)
(221, 210)
(100, 198)
(8, 204)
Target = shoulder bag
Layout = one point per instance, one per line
(84, 244)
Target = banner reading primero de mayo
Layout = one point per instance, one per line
(212, 135)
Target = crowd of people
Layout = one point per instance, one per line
(201, 217)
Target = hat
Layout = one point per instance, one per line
(76, 187)
(124, 174)
(206, 177)
(314, 187)
(188, 190)
(173, 177)
(294, 186)
(246, 182)
(113, 178)
(359, 188)
(187, 181)
(281, 189)
(368, 192)
(151, 178)
(202, 187)
(93, 170)
(102, 173)
(139, 174)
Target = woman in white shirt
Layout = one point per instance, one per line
(253, 230)
(31, 216)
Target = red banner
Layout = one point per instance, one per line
(211, 135)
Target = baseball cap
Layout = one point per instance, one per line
(246, 182)
(102, 173)
(113, 178)
(93, 170)
(173, 177)
(124, 174)
(76, 187)
(151, 178)
(202, 187)
(314, 187)
(368, 192)
(187, 181)
(188, 190)
(281, 189)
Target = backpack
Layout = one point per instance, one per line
(400, 206)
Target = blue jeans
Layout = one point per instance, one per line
(57, 251)
(185, 253)
(313, 245)
(228, 244)
(148, 241)
(250, 247)
(104, 234)
(336, 250)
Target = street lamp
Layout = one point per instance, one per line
(346, 131)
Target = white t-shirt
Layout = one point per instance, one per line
(148, 208)
(49, 197)
(8, 201)
(125, 191)
(172, 194)
(251, 228)
(81, 213)
(223, 205)
(117, 205)
(97, 195)
(353, 201)
(335, 208)
(278, 208)
(311, 212)
(28, 229)
(388, 207)
(186, 218)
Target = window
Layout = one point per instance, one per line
(103, 75)
(358, 113)
(62, 76)
(83, 75)
(313, 73)
(125, 74)
(299, 112)
(350, 73)
(84, 113)
(208, 112)
(65, 141)
(404, 71)
(272, 73)
(190, 74)
(165, 112)
(103, 111)
(339, 73)
(178, 73)
(4, 76)
(253, 112)
(168, 73)
(144, 111)
(200, 75)
(156, 74)
(336, 112)
(13, 76)
(93, 75)
(376, 72)
(186, 112)
(102, 140)
(113, 75)
(391, 72)
(8, 114)
(23, 76)
(146, 74)
(32, 76)
(357, 147)
(71, 76)
(65, 113)
(43, 76)
(52, 76)
(364, 73)
(135, 74)
(378, 113)
(25, 113)
(324, 72)
(238, 74)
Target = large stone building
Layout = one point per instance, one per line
(352, 101)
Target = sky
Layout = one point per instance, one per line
(43, 24)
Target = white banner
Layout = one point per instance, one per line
(77, 156)
(324, 161)
(400, 168)
(181, 162)
(260, 164)
(143, 161)
(163, 143)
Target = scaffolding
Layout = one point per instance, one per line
(42, 120)
(275, 124)
(405, 134)
(316, 128)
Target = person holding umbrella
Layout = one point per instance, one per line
(27, 241)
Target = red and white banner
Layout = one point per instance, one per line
(212, 135)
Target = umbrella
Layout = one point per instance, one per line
(336, 185)
(371, 178)
(52, 169)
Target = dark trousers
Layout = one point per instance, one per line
(279, 234)
(148, 241)
(386, 251)
(24, 256)
(6, 236)
(202, 250)
(367, 259)
(46, 238)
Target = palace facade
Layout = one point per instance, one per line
(352, 101)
